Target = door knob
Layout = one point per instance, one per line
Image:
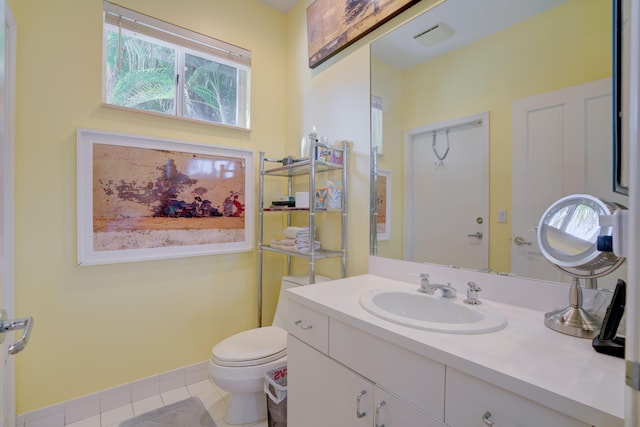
(519, 240)
(477, 235)
(25, 323)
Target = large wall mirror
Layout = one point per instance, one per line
(484, 113)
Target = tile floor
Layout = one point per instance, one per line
(212, 397)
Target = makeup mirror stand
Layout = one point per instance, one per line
(574, 320)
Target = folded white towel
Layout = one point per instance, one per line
(307, 249)
(301, 246)
(295, 232)
(283, 242)
(306, 245)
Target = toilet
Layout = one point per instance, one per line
(238, 363)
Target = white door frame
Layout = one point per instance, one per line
(408, 172)
(8, 419)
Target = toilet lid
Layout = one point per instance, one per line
(252, 347)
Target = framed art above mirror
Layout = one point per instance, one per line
(501, 57)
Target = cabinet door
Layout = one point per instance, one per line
(322, 392)
(391, 411)
(469, 400)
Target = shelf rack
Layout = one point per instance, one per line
(307, 166)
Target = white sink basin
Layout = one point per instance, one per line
(432, 313)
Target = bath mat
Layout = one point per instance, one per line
(186, 413)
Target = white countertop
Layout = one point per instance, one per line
(527, 358)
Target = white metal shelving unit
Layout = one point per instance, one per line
(311, 167)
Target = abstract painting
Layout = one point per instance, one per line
(142, 198)
(333, 25)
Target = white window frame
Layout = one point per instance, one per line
(377, 123)
(184, 41)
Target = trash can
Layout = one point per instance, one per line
(275, 386)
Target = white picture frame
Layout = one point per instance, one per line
(143, 198)
(383, 225)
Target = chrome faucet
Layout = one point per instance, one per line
(472, 294)
(447, 290)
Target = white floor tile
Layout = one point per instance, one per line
(116, 415)
(175, 395)
(201, 387)
(215, 404)
(87, 422)
(210, 395)
(148, 404)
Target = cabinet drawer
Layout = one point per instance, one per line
(469, 399)
(308, 325)
(412, 377)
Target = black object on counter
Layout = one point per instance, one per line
(607, 342)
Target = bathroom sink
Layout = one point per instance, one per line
(432, 313)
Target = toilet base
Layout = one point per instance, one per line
(246, 408)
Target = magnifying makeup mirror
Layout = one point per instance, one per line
(568, 235)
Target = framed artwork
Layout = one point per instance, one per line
(143, 198)
(383, 223)
(333, 25)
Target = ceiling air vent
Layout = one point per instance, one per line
(434, 35)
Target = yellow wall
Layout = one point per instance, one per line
(101, 326)
(334, 98)
(488, 75)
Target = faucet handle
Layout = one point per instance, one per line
(424, 284)
(472, 294)
(473, 286)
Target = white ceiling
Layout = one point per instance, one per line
(281, 5)
(470, 19)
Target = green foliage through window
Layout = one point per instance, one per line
(145, 73)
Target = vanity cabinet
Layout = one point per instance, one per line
(340, 375)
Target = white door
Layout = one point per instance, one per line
(562, 144)
(7, 85)
(448, 161)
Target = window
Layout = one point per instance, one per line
(155, 66)
(376, 123)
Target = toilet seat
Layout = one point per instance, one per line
(252, 347)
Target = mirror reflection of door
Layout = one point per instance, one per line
(448, 161)
(557, 151)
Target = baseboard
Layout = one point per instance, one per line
(93, 404)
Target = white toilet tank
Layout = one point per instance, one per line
(288, 282)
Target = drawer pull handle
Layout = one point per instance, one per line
(299, 324)
(378, 407)
(486, 419)
(360, 414)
